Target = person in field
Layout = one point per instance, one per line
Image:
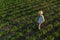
(41, 19)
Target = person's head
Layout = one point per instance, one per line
(41, 12)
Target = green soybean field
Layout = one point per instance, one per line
(18, 20)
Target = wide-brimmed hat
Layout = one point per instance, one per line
(40, 12)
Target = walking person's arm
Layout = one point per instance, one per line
(43, 19)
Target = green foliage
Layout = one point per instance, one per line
(18, 19)
(49, 38)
